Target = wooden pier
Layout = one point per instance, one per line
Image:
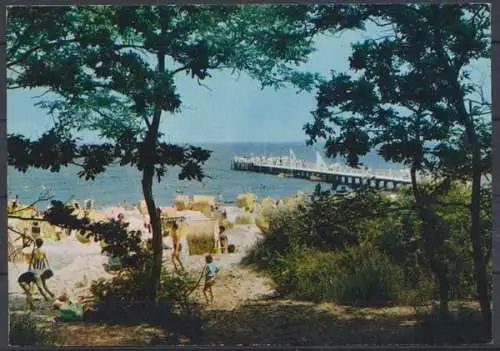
(289, 166)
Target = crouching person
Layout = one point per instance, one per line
(39, 270)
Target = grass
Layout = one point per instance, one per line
(24, 331)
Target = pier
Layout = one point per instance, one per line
(289, 166)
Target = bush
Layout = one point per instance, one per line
(126, 296)
(357, 276)
(373, 249)
(23, 331)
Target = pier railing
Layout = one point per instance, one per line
(285, 164)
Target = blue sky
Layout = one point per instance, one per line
(234, 109)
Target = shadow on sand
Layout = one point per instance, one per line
(307, 325)
(275, 322)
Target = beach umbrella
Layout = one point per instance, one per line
(48, 231)
(96, 216)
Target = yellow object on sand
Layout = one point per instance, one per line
(182, 203)
(143, 208)
(26, 213)
(245, 218)
(267, 204)
(83, 238)
(48, 231)
(291, 202)
(97, 216)
(169, 212)
(202, 203)
(246, 201)
(262, 223)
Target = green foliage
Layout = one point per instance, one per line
(125, 296)
(112, 70)
(356, 276)
(107, 67)
(125, 245)
(412, 99)
(384, 259)
(381, 107)
(24, 331)
(323, 222)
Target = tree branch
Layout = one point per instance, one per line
(40, 199)
(180, 69)
(28, 52)
(203, 85)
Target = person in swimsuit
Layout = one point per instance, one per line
(38, 273)
(211, 271)
(222, 239)
(27, 282)
(176, 258)
(40, 266)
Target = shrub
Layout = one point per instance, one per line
(23, 331)
(356, 276)
(126, 296)
(372, 249)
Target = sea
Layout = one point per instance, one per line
(122, 185)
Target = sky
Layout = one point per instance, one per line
(233, 109)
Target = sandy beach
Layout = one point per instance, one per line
(76, 265)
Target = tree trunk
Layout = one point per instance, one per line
(480, 263)
(149, 155)
(147, 190)
(431, 251)
(467, 121)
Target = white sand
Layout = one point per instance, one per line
(73, 262)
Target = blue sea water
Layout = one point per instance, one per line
(119, 184)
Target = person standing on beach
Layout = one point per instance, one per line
(222, 239)
(220, 200)
(177, 247)
(15, 203)
(211, 271)
(120, 218)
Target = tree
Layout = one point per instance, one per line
(410, 91)
(113, 71)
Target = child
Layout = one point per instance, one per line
(211, 271)
(39, 265)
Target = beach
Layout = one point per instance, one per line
(122, 185)
(76, 265)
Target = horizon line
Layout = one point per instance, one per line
(219, 142)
